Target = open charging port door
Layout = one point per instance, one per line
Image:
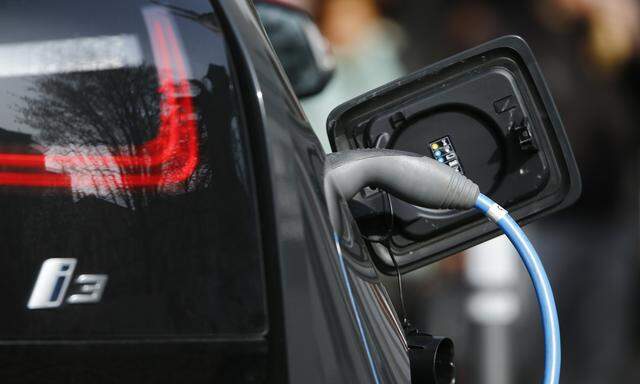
(486, 112)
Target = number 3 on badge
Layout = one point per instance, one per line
(54, 279)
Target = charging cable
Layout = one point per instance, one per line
(425, 182)
(532, 262)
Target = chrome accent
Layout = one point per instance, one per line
(92, 287)
(52, 283)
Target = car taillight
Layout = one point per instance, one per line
(169, 158)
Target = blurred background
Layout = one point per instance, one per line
(589, 51)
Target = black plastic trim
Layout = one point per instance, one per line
(457, 240)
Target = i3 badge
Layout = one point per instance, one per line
(54, 279)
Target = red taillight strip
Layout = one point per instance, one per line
(173, 151)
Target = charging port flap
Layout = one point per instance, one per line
(487, 113)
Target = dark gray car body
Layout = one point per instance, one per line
(317, 332)
(328, 316)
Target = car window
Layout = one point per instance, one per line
(122, 147)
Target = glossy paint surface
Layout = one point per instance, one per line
(137, 166)
(276, 308)
(322, 340)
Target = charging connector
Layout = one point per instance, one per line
(426, 182)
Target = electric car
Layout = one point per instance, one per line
(165, 216)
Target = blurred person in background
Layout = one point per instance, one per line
(367, 51)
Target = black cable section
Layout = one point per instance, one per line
(386, 241)
(405, 318)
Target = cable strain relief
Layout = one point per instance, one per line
(461, 193)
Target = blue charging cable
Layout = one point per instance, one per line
(541, 284)
(348, 172)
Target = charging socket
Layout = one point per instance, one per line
(486, 112)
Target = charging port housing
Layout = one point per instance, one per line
(486, 112)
